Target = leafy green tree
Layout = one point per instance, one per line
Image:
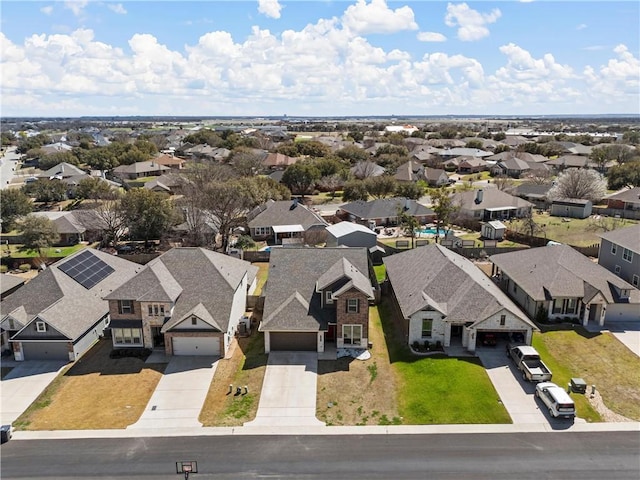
(29, 143)
(410, 190)
(206, 135)
(395, 138)
(444, 207)
(245, 242)
(631, 136)
(409, 225)
(38, 234)
(313, 148)
(301, 177)
(599, 156)
(381, 186)
(625, 175)
(133, 155)
(14, 204)
(46, 190)
(501, 148)
(145, 146)
(289, 149)
(147, 214)
(354, 190)
(7, 138)
(353, 154)
(330, 166)
(258, 190)
(356, 135)
(389, 149)
(475, 143)
(46, 161)
(92, 188)
(498, 137)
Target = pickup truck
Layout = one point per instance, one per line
(528, 361)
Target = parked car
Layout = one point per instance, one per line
(556, 399)
(489, 339)
(528, 361)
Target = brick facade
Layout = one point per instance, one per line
(345, 318)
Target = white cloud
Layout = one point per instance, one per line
(48, 10)
(582, 26)
(76, 6)
(376, 17)
(620, 76)
(431, 37)
(117, 8)
(472, 25)
(270, 8)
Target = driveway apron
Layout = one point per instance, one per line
(628, 333)
(180, 394)
(23, 384)
(288, 396)
(516, 394)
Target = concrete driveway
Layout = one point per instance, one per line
(288, 396)
(23, 384)
(628, 333)
(517, 395)
(180, 394)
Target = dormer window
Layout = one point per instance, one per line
(328, 297)
(41, 327)
(194, 320)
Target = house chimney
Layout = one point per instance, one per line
(294, 204)
(478, 199)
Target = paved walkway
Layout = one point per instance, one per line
(180, 394)
(288, 396)
(23, 384)
(516, 394)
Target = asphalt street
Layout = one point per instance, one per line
(564, 456)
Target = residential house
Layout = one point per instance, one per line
(570, 161)
(188, 301)
(413, 171)
(148, 168)
(171, 161)
(534, 193)
(60, 313)
(625, 203)
(384, 211)
(76, 226)
(279, 161)
(315, 297)
(63, 170)
(443, 297)
(285, 221)
(515, 167)
(350, 234)
(471, 164)
(556, 282)
(171, 183)
(366, 169)
(571, 207)
(56, 148)
(620, 253)
(8, 285)
(490, 204)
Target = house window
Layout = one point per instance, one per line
(353, 305)
(155, 310)
(571, 305)
(617, 269)
(627, 255)
(614, 249)
(262, 231)
(557, 306)
(194, 320)
(328, 299)
(427, 325)
(125, 306)
(162, 310)
(635, 281)
(41, 327)
(150, 310)
(352, 334)
(127, 336)
(565, 306)
(503, 320)
(625, 293)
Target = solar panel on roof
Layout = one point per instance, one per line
(86, 269)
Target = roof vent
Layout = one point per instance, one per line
(294, 204)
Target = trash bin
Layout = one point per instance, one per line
(578, 385)
(5, 433)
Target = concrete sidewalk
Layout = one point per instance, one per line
(24, 384)
(180, 394)
(288, 396)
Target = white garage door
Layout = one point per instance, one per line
(196, 346)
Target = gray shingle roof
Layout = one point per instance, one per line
(554, 271)
(491, 198)
(385, 208)
(283, 212)
(291, 300)
(436, 276)
(62, 302)
(7, 282)
(629, 196)
(625, 237)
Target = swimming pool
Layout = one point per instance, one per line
(431, 231)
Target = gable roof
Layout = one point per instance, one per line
(63, 170)
(491, 198)
(554, 271)
(291, 298)
(629, 196)
(628, 237)
(385, 208)
(342, 229)
(284, 212)
(8, 282)
(64, 303)
(141, 167)
(279, 160)
(446, 281)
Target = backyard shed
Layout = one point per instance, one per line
(571, 207)
(350, 234)
(493, 230)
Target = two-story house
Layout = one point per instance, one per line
(620, 253)
(315, 297)
(188, 301)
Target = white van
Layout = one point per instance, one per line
(556, 399)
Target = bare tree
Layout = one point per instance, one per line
(504, 183)
(528, 226)
(246, 163)
(331, 183)
(227, 204)
(111, 216)
(579, 183)
(539, 176)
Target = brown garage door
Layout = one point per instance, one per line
(293, 341)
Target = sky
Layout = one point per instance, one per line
(318, 58)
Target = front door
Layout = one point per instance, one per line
(456, 330)
(158, 338)
(331, 333)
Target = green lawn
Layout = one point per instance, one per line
(440, 390)
(381, 272)
(601, 360)
(53, 252)
(573, 231)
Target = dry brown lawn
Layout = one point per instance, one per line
(355, 392)
(246, 366)
(96, 392)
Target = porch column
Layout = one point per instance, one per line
(603, 312)
(447, 334)
(585, 315)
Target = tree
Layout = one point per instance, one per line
(147, 214)
(92, 188)
(381, 186)
(111, 215)
(585, 184)
(503, 183)
(301, 177)
(527, 226)
(330, 166)
(539, 176)
(246, 163)
(313, 148)
(410, 190)
(38, 234)
(47, 190)
(501, 148)
(13, 205)
(599, 156)
(353, 154)
(409, 224)
(354, 190)
(625, 175)
(245, 242)
(443, 206)
(29, 143)
(46, 161)
(258, 190)
(498, 137)
(475, 143)
(631, 136)
(331, 183)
